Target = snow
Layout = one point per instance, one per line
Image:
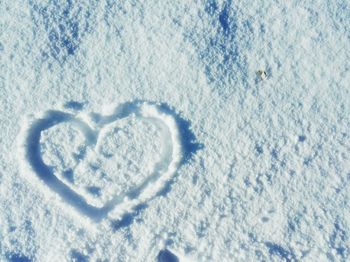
(145, 131)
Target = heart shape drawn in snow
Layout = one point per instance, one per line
(95, 132)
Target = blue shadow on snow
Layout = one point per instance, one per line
(13, 257)
(166, 256)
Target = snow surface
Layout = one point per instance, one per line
(146, 131)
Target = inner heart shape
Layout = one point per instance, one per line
(101, 164)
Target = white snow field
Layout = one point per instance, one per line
(201, 130)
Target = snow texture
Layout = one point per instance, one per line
(203, 130)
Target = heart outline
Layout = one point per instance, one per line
(32, 155)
